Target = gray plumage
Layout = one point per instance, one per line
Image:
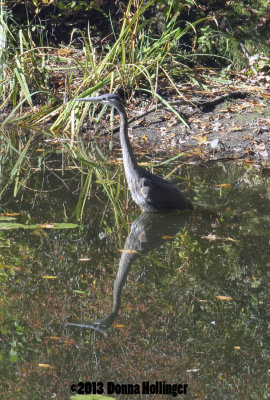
(151, 192)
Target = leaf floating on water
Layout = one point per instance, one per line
(46, 366)
(10, 214)
(60, 338)
(49, 277)
(130, 251)
(55, 338)
(229, 239)
(224, 298)
(11, 267)
(225, 185)
(210, 237)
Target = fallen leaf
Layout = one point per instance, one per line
(11, 267)
(236, 128)
(225, 185)
(200, 138)
(210, 237)
(60, 338)
(229, 239)
(130, 251)
(63, 52)
(224, 298)
(265, 95)
(10, 214)
(46, 366)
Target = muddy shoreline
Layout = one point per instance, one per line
(235, 129)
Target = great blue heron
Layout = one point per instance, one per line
(151, 192)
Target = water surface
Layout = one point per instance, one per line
(181, 298)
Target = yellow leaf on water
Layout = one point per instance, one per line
(61, 338)
(10, 214)
(224, 298)
(55, 337)
(46, 366)
(229, 239)
(224, 185)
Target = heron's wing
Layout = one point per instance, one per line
(162, 194)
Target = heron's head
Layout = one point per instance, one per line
(110, 99)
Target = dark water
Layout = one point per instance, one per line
(186, 301)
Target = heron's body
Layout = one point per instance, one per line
(151, 192)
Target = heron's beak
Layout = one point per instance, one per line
(91, 99)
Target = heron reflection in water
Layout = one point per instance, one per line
(151, 192)
(146, 233)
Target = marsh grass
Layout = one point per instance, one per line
(136, 59)
(27, 156)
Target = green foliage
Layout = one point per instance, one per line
(239, 22)
(131, 61)
(155, 40)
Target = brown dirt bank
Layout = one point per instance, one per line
(237, 129)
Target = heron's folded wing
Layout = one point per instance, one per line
(163, 195)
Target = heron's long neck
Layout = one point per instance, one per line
(129, 160)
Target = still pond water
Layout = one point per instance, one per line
(180, 298)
